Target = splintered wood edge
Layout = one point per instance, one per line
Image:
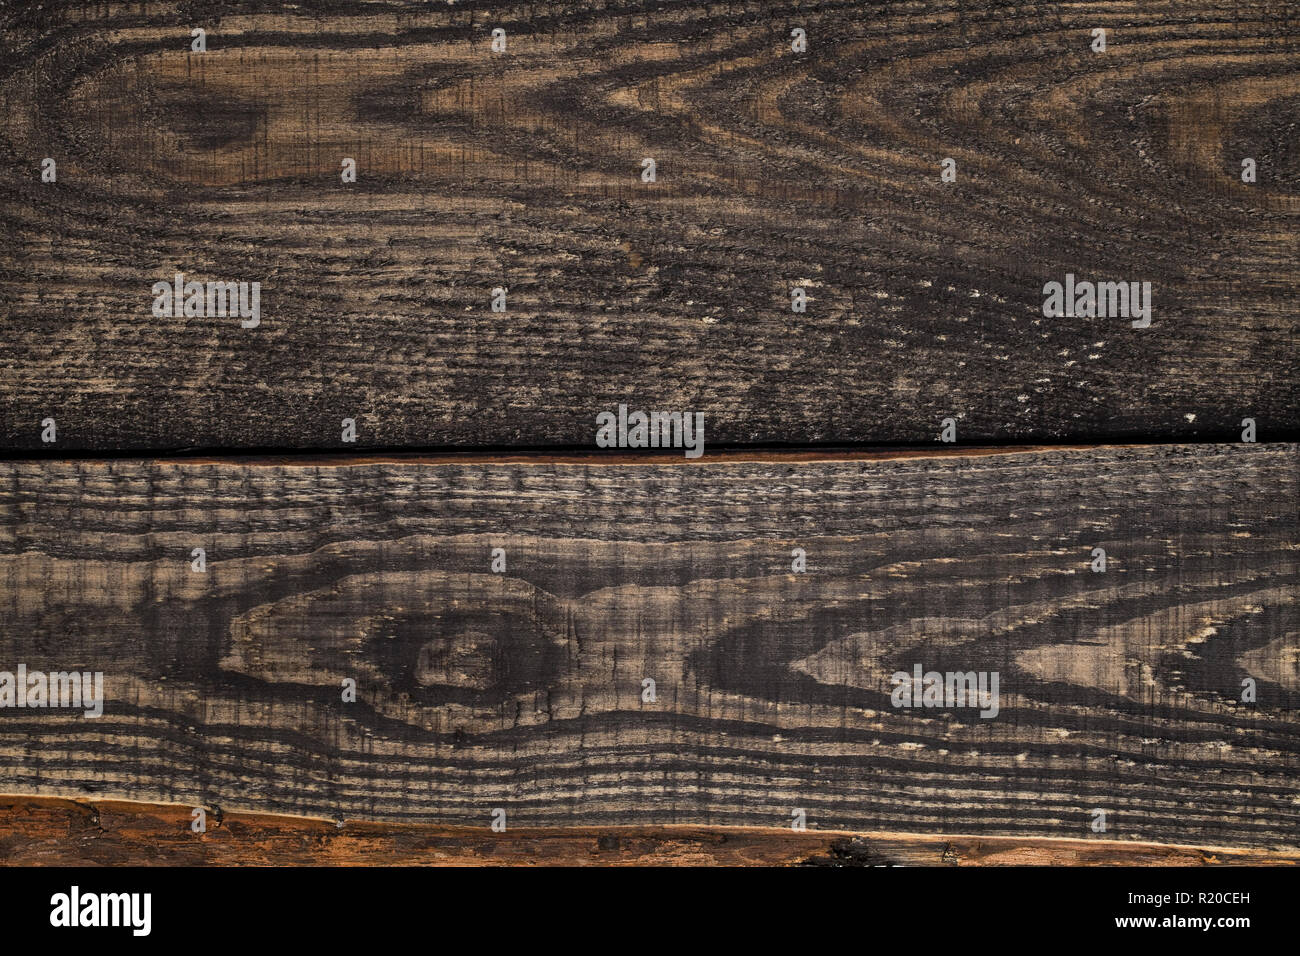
(36, 831)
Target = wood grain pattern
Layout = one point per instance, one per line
(38, 831)
(522, 170)
(522, 690)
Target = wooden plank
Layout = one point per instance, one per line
(1119, 691)
(522, 170)
(36, 831)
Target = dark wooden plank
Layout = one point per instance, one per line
(40, 831)
(523, 690)
(522, 170)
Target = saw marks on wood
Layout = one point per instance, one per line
(522, 170)
(524, 690)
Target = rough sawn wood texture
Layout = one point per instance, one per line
(523, 690)
(522, 170)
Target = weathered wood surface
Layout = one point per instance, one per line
(522, 170)
(522, 690)
(37, 831)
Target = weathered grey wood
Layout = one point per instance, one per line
(522, 170)
(522, 690)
